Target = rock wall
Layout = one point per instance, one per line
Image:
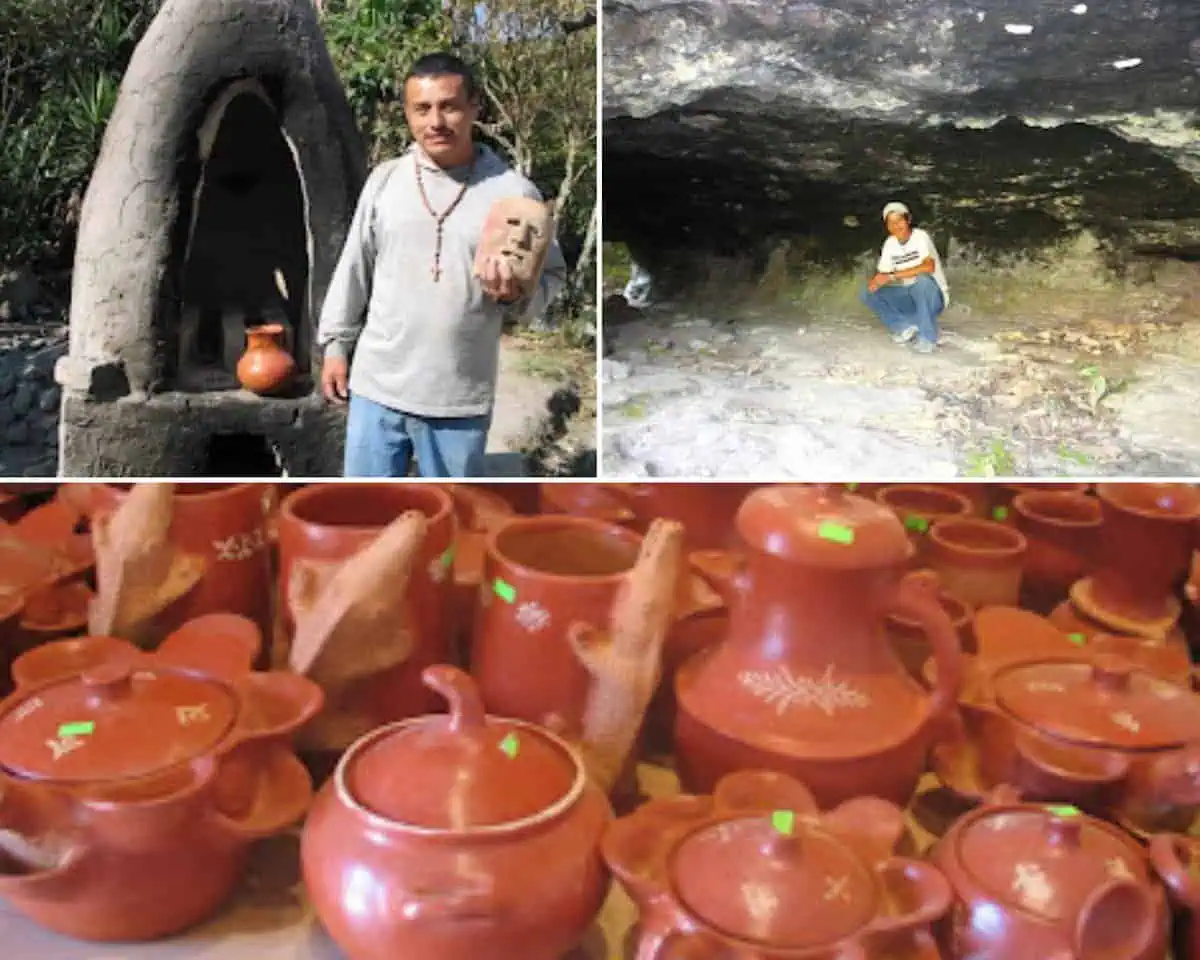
(29, 401)
(1007, 125)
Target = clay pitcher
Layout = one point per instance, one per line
(1062, 529)
(541, 575)
(326, 524)
(266, 368)
(806, 682)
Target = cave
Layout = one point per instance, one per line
(224, 189)
(240, 455)
(1049, 151)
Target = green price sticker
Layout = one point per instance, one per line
(1078, 639)
(510, 745)
(81, 729)
(836, 533)
(1000, 513)
(505, 591)
(1064, 811)
(784, 821)
(913, 522)
(447, 558)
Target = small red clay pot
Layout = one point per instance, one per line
(1003, 495)
(758, 872)
(542, 574)
(266, 367)
(910, 642)
(919, 507)
(132, 784)
(1177, 860)
(706, 510)
(1031, 881)
(599, 501)
(524, 497)
(332, 522)
(982, 495)
(1063, 533)
(459, 837)
(225, 523)
(54, 613)
(978, 561)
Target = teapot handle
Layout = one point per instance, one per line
(917, 598)
(1165, 855)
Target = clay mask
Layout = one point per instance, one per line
(520, 230)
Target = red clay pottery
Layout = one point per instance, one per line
(1145, 551)
(460, 837)
(920, 506)
(518, 230)
(981, 495)
(326, 524)
(225, 524)
(1177, 860)
(1062, 530)
(758, 872)
(541, 575)
(978, 561)
(1048, 882)
(806, 682)
(599, 501)
(132, 784)
(11, 608)
(266, 367)
(1003, 495)
(525, 498)
(1168, 657)
(55, 612)
(706, 510)
(911, 644)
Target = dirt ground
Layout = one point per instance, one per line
(1060, 374)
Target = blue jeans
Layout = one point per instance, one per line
(381, 442)
(902, 307)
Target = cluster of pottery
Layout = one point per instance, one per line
(805, 654)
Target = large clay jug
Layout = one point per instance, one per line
(266, 367)
(806, 682)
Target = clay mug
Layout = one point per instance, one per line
(477, 837)
(1062, 530)
(132, 784)
(266, 368)
(919, 506)
(978, 561)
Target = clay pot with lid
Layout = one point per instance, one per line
(805, 682)
(757, 872)
(1048, 882)
(978, 561)
(132, 784)
(323, 525)
(920, 506)
(477, 838)
(1062, 530)
(266, 367)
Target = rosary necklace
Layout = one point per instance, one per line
(440, 218)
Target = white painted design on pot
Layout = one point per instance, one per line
(1032, 887)
(533, 617)
(1118, 869)
(761, 902)
(437, 570)
(1126, 721)
(1166, 691)
(27, 709)
(837, 888)
(1045, 686)
(61, 746)
(240, 546)
(192, 714)
(781, 688)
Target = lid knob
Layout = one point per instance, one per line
(830, 492)
(109, 682)
(1066, 832)
(783, 842)
(1112, 673)
(459, 690)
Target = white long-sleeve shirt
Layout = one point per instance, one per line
(426, 348)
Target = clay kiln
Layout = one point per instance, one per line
(223, 193)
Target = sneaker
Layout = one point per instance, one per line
(905, 335)
(925, 346)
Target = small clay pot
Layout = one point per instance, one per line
(1062, 530)
(477, 837)
(978, 561)
(1003, 495)
(541, 575)
(266, 368)
(919, 507)
(54, 613)
(599, 501)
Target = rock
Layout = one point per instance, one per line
(8, 382)
(733, 125)
(19, 291)
(615, 370)
(49, 399)
(24, 399)
(17, 433)
(7, 415)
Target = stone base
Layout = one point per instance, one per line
(170, 434)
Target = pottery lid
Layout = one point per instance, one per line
(1106, 702)
(774, 880)
(460, 772)
(823, 525)
(1046, 860)
(117, 721)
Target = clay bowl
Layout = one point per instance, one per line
(54, 612)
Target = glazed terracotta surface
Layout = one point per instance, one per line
(266, 367)
(1062, 530)
(978, 561)
(132, 784)
(707, 511)
(493, 856)
(920, 506)
(806, 682)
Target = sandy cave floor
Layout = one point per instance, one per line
(1021, 386)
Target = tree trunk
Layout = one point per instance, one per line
(588, 248)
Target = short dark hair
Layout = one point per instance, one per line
(445, 65)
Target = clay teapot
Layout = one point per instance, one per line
(473, 837)
(1048, 882)
(132, 783)
(806, 681)
(757, 872)
(266, 368)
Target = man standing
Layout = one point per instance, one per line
(909, 291)
(423, 331)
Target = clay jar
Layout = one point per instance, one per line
(1003, 495)
(919, 507)
(1146, 548)
(226, 524)
(757, 872)
(1032, 881)
(132, 784)
(474, 838)
(541, 575)
(805, 682)
(978, 561)
(1062, 530)
(329, 523)
(266, 368)
(706, 510)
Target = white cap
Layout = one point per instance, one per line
(895, 207)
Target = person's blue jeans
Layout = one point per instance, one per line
(381, 442)
(902, 307)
